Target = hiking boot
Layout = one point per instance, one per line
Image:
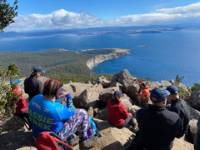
(89, 143)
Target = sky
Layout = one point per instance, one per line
(62, 14)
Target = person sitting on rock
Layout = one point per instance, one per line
(66, 98)
(179, 106)
(143, 94)
(157, 126)
(118, 114)
(21, 109)
(32, 85)
(48, 115)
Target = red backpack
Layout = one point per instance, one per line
(50, 141)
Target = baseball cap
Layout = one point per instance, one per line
(172, 89)
(38, 69)
(118, 94)
(159, 94)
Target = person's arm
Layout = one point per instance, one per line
(63, 112)
(69, 98)
(178, 130)
(123, 111)
(24, 104)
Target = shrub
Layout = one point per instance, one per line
(195, 87)
(6, 97)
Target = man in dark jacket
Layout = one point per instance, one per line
(157, 126)
(32, 85)
(197, 139)
(179, 106)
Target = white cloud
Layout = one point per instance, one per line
(160, 16)
(62, 19)
(59, 19)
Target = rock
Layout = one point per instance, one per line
(105, 83)
(180, 144)
(130, 84)
(111, 137)
(127, 102)
(106, 94)
(88, 98)
(192, 131)
(102, 114)
(194, 100)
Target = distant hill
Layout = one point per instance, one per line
(59, 63)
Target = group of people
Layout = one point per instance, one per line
(50, 108)
(159, 123)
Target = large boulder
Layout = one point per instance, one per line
(180, 144)
(130, 84)
(106, 94)
(194, 100)
(111, 137)
(89, 97)
(105, 82)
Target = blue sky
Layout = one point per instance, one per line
(101, 8)
(34, 14)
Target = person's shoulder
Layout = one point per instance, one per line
(142, 112)
(38, 97)
(171, 116)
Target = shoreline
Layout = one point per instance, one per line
(98, 59)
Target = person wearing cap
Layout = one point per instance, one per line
(32, 85)
(157, 126)
(179, 106)
(118, 114)
(21, 105)
(197, 138)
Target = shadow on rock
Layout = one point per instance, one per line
(15, 140)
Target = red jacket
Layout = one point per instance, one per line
(117, 114)
(21, 105)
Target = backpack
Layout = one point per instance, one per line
(50, 141)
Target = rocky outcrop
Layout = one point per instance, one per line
(111, 138)
(130, 84)
(194, 100)
(93, 62)
(88, 98)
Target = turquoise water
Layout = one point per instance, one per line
(157, 56)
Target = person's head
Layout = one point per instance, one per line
(17, 91)
(173, 90)
(159, 97)
(142, 85)
(38, 71)
(51, 87)
(116, 96)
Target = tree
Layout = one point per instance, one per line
(7, 13)
(178, 79)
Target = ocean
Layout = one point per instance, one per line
(155, 56)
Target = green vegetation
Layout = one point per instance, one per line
(6, 97)
(195, 87)
(63, 65)
(7, 13)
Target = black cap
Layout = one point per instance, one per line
(38, 69)
(118, 94)
(172, 89)
(159, 94)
